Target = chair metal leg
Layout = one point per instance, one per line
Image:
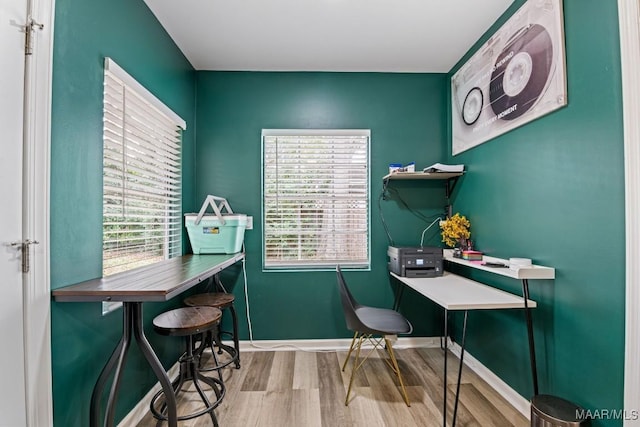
(396, 370)
(344, 365)
(355, 367)
(357, 363)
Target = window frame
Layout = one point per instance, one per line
(311, 266)
(172, 247)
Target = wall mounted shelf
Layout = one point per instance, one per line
(422, 175)
(451, 179)
(530, 272)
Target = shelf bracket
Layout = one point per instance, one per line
(450, 185)
(448, 188)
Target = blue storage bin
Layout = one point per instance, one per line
(211, 236)
(218, 233)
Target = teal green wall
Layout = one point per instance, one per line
(553, 190)
(408, 123)
(85, 32)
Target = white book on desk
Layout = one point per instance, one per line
(439, 167)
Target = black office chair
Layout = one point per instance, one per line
(372, 324)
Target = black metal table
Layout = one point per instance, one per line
(154, 283)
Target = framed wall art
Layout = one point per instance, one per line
(517, 76)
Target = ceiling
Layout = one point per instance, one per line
(425, 36)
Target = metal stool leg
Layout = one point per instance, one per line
(189, 371)
(208, 341)
(236, 342)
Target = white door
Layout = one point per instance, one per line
(12, 397)
(628, 12)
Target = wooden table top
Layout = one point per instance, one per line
(157, 282)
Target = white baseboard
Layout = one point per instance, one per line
(329, 345)
(510, 395)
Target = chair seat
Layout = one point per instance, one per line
(382, 321)
(213, 299)
(187, 321)
(222, 301)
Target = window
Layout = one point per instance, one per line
(141, 175)
(316, 198)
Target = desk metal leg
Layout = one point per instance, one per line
(132, 322)
(532, 347)
(444, 380)
(446, 348)
(396, 303)
(158, 369)
(118, 354)
(115, 386)
(464, 334)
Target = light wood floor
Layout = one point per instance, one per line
(307, 389)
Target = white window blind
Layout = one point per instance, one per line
(316, 198)
(141, 176)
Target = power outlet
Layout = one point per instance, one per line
(249, 223)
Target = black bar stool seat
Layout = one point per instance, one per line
(189, 322)
(222, 301)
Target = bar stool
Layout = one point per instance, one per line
(189, 322)
(222, 301)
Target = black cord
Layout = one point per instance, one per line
(384, 223)
(388, 193)
(395, 194)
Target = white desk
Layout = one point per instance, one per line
(524, 274)
(456, 293)
(453, 292)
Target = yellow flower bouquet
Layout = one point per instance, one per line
(455, 230)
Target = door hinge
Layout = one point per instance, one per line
(31, 26)
(24, 248)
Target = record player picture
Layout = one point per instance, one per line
(517, 76)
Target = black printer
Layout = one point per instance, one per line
(418, 261)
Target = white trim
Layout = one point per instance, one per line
(629, 13)
(142, 179)
(329, 345)
(316, 132)
(329, 163)
(116, 70)
(514, 398)
(37, 288)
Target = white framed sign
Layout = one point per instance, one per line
(517, 76)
